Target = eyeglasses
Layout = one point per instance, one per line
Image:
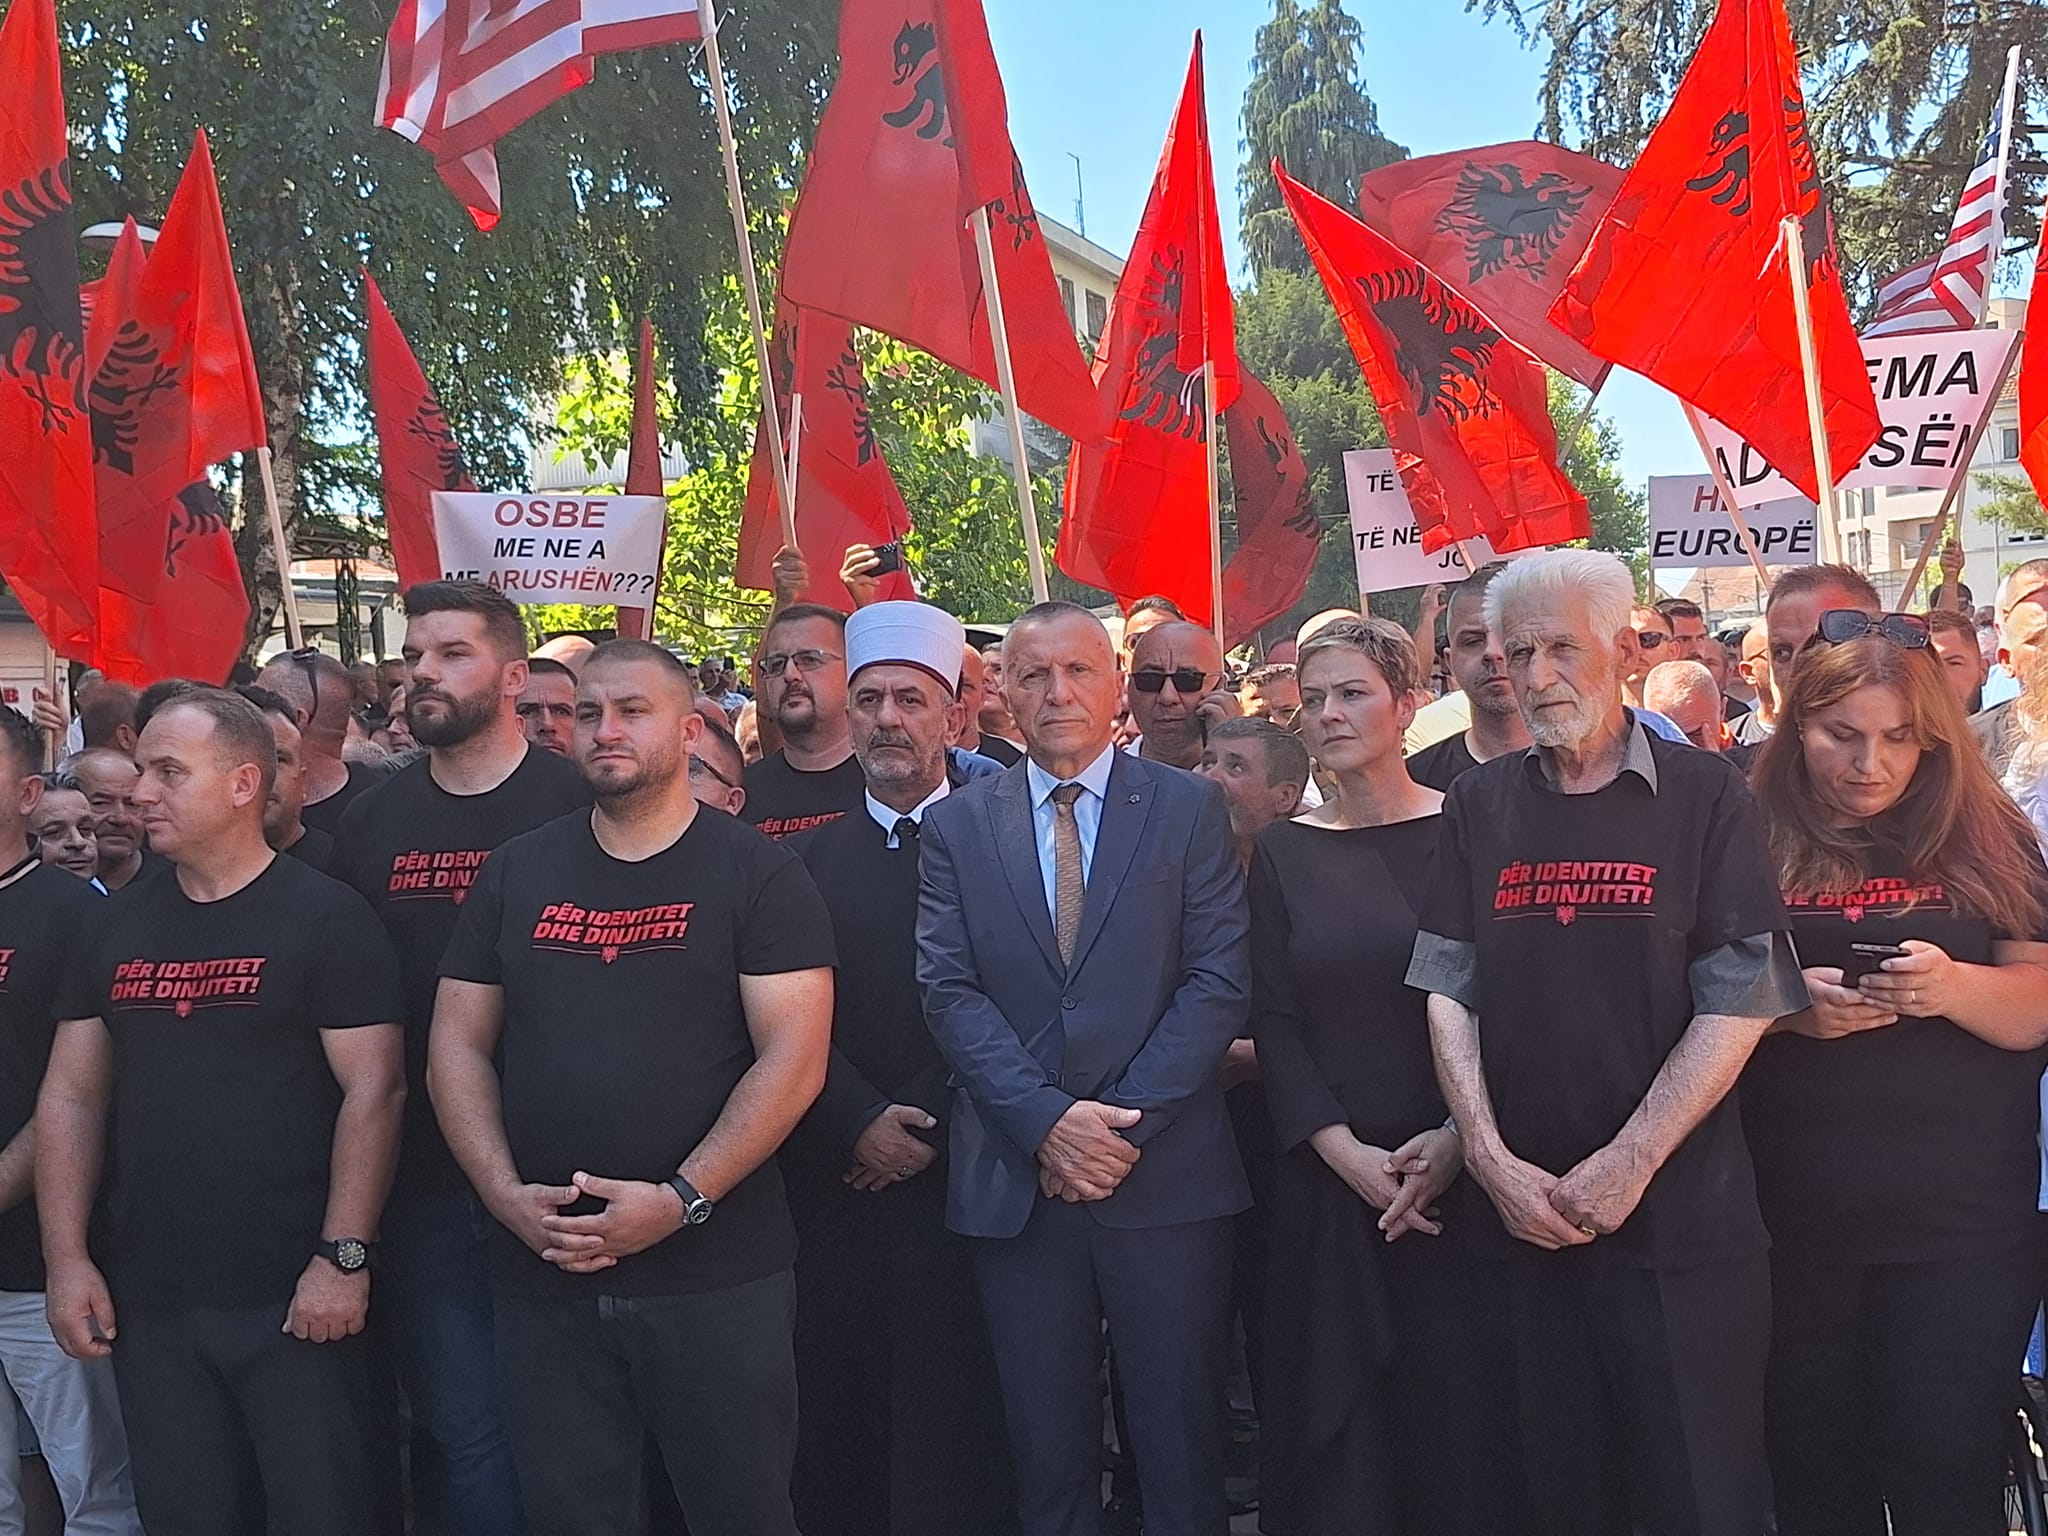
(1185, 680)
(697, 764)
(803, 661)
(1651, 639)
(306, 657)
(1838, 626)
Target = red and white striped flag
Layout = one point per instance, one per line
(1949, 291)
(461, 74)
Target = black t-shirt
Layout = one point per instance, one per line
(413, 850)
(47, 918)
(222, 1117)
(1587, 912)
(1913, 1143)
(623, 1033)
(782, 801)
(1440, 764)
(155, 867)
(1343, 1040)
(997, 750)
(314, 848)
(326, 814)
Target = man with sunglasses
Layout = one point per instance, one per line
(1653, 644)
(1176, 670)
(2022, 616)
(813, 779)
(412, 845)
(718, 769)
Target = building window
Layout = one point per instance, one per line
(1067, 301)
(1098, 314)
(2009, 444)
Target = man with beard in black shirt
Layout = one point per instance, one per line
(635, 1011)
(322, 696)
(813, 779)
(231, 1057)
(47, 918)
(1480, 670)
(283, 823)
(1605, 927)
(412, 845)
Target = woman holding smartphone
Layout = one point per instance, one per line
(1894, 1123)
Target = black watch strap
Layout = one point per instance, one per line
(350, 1255)
(696, 1209)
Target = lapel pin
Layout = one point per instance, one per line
(1137, 799)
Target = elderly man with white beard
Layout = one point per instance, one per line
(1604, 930)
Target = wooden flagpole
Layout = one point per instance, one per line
(292, 631)
(796, 433)
(1006, 378)
(1952, 501)
(53, 741)
(1212, 431)
(1564, 444)
(1825, 508)
(736, 197)
(1727, 491)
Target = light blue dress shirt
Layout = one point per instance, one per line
(1094, 779)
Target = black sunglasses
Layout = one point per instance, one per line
(1185, 680)
(1838, 626)
(1651, 639)
(698, 763)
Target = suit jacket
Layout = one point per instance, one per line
(1997, 730)
(1158, 988)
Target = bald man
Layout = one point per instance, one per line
(322, 695)
(1175, 667)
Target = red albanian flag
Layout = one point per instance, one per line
(174, 394)
(1686, 280)
(1137, 507)
(1465, 409)
(914, 139)
(643, 470)
(416, 450)
(1278, 532)
(2033, 384)
(845, 494)
(1507, 224)
(48, 541)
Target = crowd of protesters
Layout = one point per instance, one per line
(572, 1092)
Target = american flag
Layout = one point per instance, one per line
(1949, 291)
(461, 74)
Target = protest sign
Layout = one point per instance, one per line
(1384, 538)
(1689, 526)
(552, 549)
(1932, 391)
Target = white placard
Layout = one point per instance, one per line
(1931, 392)
(552, 549)
(1384, 538)
(1689, 526)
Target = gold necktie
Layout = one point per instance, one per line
(1069, 885)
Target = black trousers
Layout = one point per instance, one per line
(235, 1426)
(902, 1425)
(1893, 1386)
(1640, 1394)
(1165, 1292)
(711, 1376)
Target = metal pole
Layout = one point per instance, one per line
(1020, 462)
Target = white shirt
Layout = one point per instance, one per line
(886, 819)
(1094, 781)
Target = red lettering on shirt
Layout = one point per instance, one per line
(570, 929)
(6, 965)
(1886, 895)
(776, 828)
(180, 986)
(1567, 890)
(435, 874)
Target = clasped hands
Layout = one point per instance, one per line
(1082, 1157)
(635, 1217)
(1591, 1201)
(1405, 1184)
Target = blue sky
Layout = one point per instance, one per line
(1099, 79)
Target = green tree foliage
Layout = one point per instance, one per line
(614, 208)
(2010, 503)
(1898, 93)
(1307, 107)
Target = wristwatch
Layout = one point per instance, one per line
(350, 1255)
(696, 1209)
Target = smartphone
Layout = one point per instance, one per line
(889, 559)
(1868, 960)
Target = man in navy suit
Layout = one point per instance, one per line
(1084, 959)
